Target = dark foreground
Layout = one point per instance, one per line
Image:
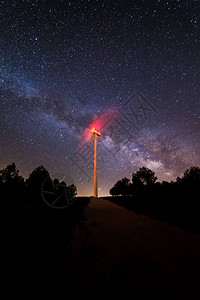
(33, 246)
(113, 253)
(117, 254)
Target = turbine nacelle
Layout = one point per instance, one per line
(95, 132)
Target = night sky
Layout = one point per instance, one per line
(130, 69)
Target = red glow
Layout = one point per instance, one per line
(95, 132)
(100, 123)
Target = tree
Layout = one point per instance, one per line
(73, 189)
(121, 187)
(191, 177)
(10, 175)
(35, 181)
(12, 187)
(113, 191)
(144, 176)
(187, 188)
(137, 183)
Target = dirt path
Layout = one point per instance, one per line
(117, 254)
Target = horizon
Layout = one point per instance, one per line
(89, 192)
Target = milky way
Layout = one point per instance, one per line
(131, 68)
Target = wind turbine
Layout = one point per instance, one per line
(93, 131)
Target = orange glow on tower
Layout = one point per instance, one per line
(96, 133)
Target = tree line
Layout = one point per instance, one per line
(176, 201)
(17, 192)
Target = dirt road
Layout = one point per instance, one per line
(117, 254)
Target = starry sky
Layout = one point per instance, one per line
(130, 69)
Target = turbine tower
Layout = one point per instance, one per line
(95, 162)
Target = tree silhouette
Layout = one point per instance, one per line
(56, 182)
(191, 176)
(187, 188)
(64, 193)
(177, 202)
(73, 190)
(17, 193)
(35, 181)
(10, 175)
(145, 176)
(121, 187)
(37, 176)
(12, 185)
(137, 184)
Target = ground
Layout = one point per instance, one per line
(117, 254)
(96, 250)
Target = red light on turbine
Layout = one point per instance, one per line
(95, 132)
(100, 123)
